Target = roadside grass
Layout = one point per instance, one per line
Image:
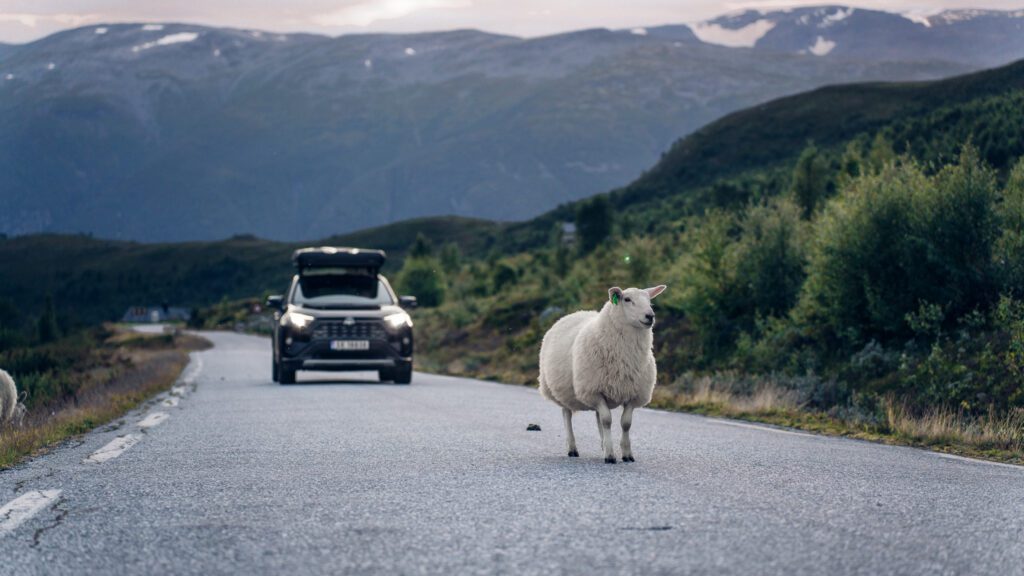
(124, 371)
(991, 436)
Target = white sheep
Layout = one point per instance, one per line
(600, 361)
(11, 410)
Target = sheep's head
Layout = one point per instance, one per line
(632, 306)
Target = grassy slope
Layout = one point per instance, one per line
(120, 371)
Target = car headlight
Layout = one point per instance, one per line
(298, 321)
(398, 320)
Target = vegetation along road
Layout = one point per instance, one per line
(231, 473)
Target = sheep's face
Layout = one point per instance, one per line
(632, 306)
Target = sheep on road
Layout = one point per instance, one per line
(600, 361)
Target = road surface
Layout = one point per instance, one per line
(234, 474)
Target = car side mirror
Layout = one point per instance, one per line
(407, 302)
(275, 302)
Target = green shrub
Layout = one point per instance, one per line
(897, 238)
(423, 278)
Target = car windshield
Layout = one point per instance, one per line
(341, 291)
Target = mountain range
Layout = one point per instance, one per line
(164, 132)
(93, 279)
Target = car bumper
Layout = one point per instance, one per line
(317, 355)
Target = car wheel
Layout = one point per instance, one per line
(286, 375)
(276, 370)
(403, 373)
(386, 375)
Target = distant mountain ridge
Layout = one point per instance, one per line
(975, 37)
(174, 131)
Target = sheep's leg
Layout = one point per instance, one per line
(570, 438)
(604, 424)
(627, 421)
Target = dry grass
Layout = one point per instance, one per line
(992, 436)
(946, 427)
(108, 392)
(719, 396)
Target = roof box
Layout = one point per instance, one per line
(336, 260)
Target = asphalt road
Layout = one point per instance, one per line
(441, 477)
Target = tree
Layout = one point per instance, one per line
(895, 239)
(880, 154)
(48, 330)
(421, 247)
(593, 223)
(423, 278)
(810, 180)
(451, 258)
(502, 276)
(1009, 252)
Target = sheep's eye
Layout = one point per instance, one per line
(629, 299)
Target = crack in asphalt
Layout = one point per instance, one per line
(62, 513)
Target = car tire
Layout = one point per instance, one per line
(286, 375)
(403, 373)
(387, 375)
(276, 370)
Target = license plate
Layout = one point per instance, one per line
(350, 344)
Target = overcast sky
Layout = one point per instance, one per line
(25, 20)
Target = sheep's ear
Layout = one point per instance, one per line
(653, 292)
(615, 294)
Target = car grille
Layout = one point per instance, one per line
(338, 330)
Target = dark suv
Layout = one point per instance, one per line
(340, 313)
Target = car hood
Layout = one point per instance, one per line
(341, 313)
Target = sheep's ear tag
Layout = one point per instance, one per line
(615, 299)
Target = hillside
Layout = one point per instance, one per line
(94, 280)
(774, 133)
(769, 138)
(167, 132)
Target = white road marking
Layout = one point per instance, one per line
(154, 419)
(762, 428)
(170, 401)
(17, 511)
(114, 448)
(977, 461)
(197, 367)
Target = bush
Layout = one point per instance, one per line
(422, 277)
(502, 276)
(898, 238)
(593, 223)
(737, 272)
(1009, 249)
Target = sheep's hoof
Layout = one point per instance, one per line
(609, 460)
(574, 454)
(628, 459)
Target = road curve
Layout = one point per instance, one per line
(441, 477)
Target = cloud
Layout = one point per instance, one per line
(367, 13)
(33, 20)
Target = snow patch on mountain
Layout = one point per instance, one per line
(918, 18)
(821, 46)
(410, 51)
(639, 31)
(744, 37)
(101, 30)
(153, 27)
(178, 38)
(838, 16)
